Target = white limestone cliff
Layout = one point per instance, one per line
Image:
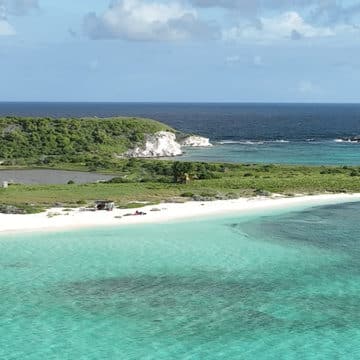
(164, 144)
(160, 144)
(195, 141)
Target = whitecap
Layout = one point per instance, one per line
(240, 142)
(346, 141)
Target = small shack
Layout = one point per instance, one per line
(104, 205)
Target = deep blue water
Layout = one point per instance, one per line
(253, 133)
(219, 121)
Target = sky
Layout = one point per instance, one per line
(180, 50)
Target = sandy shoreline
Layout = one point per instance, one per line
(76, 219)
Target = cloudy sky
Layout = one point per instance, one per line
(180, 50)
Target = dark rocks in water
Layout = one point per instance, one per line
(352, 138)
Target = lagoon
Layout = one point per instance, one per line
(264, 286)
(314, 152)
(48, 176)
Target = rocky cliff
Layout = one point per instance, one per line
(165, 144)
(195, 141)
(160, 144)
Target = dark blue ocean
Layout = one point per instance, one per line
(266, 133)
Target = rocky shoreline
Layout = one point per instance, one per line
(353, 139)
(165, 144)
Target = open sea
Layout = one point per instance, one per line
(276, 285)
(251, 133)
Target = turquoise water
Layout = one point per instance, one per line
(285, 286)
(325, 152)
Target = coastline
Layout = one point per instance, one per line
(59, 220)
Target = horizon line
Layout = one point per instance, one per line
(182, 102)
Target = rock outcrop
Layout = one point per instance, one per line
(354, 139)
(195, 141)
(10, 209)
(165, 144)
(160, 144)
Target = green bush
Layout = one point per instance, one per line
(187, 194)
(208, 193)
(40, 138)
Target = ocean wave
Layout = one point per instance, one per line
(251, 142)
(346, 141)
(283, 141)
(241, 142)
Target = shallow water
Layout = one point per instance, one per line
(324, 152)
(269, 287)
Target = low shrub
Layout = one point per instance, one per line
(187, 194)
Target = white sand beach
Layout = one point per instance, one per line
(59, 220)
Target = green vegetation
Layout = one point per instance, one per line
(91, 141)
(89, 144)
(155, 181)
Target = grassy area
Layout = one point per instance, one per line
(91, 144)
(153, 181)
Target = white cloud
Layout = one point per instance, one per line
(146, 21)
(280, 27)
(329, 12)
(14, 7)
(6, 29)
(21, 7)
(17, 7)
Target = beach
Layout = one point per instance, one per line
(60, 219)
(231, 280)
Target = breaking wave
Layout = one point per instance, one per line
(346, 141)
(251, 142)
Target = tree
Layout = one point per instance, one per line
(182, 171)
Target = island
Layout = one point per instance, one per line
(34, 140)
(127, 152)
